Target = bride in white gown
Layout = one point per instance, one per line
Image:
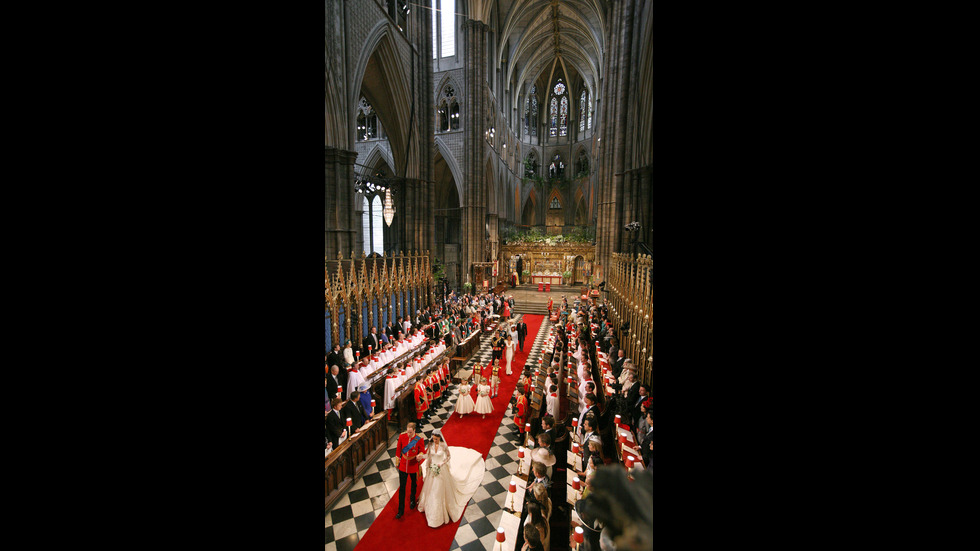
(450, 477)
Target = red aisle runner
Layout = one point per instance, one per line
(411, 532)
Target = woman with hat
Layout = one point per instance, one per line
(365, 399)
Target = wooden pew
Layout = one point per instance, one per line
(349, 460)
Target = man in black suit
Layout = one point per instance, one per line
(590, 400)
(634, 399)
(353, 409)
(646, 444)
(335, 425)
(372, 341)
(521, 333)
(335, 357)
(336, 381)
(617, 366)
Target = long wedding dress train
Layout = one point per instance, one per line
(445, 495)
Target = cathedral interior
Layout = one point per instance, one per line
(485, 121)
(477, 146)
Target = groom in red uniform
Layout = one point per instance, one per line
(408, 449)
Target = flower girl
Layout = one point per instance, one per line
(464, 404)
(483, 403)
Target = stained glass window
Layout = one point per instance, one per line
(563, 124)
(554, 203)
(554, 115)
(534, 112)
(527, 114)
(583, 105)
(559, 88)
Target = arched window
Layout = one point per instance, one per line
(559, 120)
(563, 118)
(366, 225)
(377, 233)
(534, 111)
(557, 168)
(583, 106)
(527, 115)
(448, 111)
(367, 121)
(554, 116)
(372, 225)
(555, 204)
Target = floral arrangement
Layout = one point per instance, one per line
(434, 469)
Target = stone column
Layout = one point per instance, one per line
(340, 230)
(474, 175)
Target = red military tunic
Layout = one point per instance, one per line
(408, 462)
(421, 400)
(521, 411)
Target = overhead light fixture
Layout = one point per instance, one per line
(389, 210)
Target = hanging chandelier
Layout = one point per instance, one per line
(376, 184)
(389, 211)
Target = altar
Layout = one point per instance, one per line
(546, 278)
(550, 263)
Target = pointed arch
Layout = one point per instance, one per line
(453, 167)
(377, 152)
(449, 79)
(529, 210)
(555, 194)
(386, 89)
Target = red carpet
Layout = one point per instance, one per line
(411, 532)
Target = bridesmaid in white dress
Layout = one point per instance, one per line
(483, 403)
(509, 347)
(465, 404)
(450, 477)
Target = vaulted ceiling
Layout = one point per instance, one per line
(540, 38)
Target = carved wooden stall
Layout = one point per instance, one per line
(629, 284)
(374, 290)
(345, 464)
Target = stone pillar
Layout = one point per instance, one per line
(474, 175)
(340, 229)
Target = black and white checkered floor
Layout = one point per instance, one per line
(354, 512)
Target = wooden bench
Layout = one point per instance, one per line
(346, 463)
